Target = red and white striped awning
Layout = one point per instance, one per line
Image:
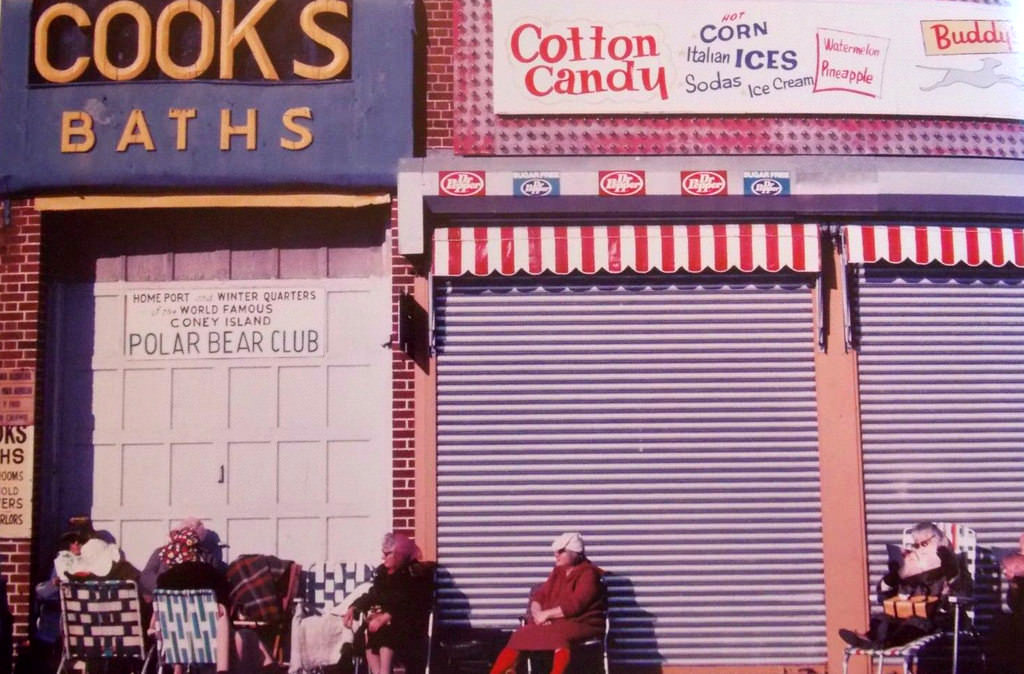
(924, 244)
(589, 249)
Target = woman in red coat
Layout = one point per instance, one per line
(567, 608)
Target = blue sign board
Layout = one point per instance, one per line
(536, 184)
(766, 183)
(208, 94)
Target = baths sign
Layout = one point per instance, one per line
(244, 91)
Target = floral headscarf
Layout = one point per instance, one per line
(184, 547)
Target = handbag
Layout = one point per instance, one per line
(917, 606)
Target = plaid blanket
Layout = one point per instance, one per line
(259, 587)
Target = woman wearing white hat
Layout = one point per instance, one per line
(568, 607)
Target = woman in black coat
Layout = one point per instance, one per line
(397, 608)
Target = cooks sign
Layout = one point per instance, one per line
(123, 91)
(183, 40)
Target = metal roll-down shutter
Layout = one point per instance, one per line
(668, 417)
(942, 384)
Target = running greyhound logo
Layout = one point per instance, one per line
(983, 78)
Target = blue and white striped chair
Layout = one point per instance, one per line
(325, 584)
(101, 620)
(187, 624)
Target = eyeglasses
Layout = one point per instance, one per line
(922, 544)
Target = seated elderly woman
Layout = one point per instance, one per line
(910, 591)
(208, 552)
(1006, 648)
(569, 607)
(397, 608)
(187, 567)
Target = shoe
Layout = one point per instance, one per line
(856, 640)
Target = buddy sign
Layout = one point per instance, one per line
(179, 93)
(914, 57)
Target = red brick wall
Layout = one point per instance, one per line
(403, 405)
(20, 308)
(440, 73)
(16, 561)
(438, 129)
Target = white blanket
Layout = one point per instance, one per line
(317, 640)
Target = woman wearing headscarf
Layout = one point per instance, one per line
(189, 567)
(208, 552)
(186, 569)
(569, 607)
(397, 608)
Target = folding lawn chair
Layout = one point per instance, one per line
(323, 585)
(964, 545)
(274, 630)
(187, 626)
(101, 620)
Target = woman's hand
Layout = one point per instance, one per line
(378, 620)
(349, 616)
(544, 617)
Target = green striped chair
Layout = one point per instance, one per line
(187, 623)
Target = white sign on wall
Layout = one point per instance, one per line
(228, 322)
(913, 57)
(17, 458)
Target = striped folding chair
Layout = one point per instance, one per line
(335, 584)
(274, 632)
(187, 626)
(965, 545)
(101, 620)
(325, 584)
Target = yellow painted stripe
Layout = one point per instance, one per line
(115, 201)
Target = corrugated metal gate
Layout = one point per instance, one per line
(942, 404)
(672, 420)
